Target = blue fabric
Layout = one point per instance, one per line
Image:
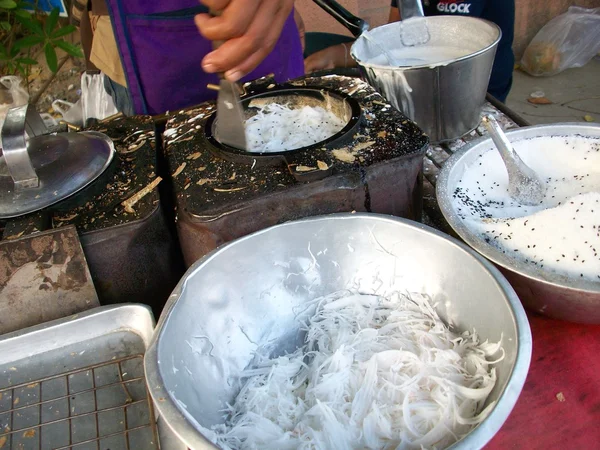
(500, 12)
(120, 96)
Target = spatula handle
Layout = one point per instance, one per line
(410, 8)
(355, 25)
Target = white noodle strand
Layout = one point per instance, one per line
(376, 373)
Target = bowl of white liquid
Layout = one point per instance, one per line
(440, 84)
(549, 252)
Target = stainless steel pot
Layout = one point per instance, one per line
(546, 293)
(444, 99)
(248, 292)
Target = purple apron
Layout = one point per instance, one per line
(161, 50)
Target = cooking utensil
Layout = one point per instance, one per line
(230, 127)
(444, 98)
(524, 185)
(414, 29)
(79, 382)
(567, 298)
(390, 58)
(355, 25)
(213, 323)
(38, 169)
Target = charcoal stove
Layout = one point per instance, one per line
(373, 164)
(132, 254)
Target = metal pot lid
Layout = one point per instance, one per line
(38, 170)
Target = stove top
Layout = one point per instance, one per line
(100, 206)
(207, 185)
(376, 168)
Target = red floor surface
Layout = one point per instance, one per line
(565, 363)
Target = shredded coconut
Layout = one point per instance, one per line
(375, 372)
(278, 127)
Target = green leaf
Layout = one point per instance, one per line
(73, 50)
(8, 4)
(51, 21)
(22, 14)
(63, 31)
(28, 41)
(5, 25)
(51, 57)
(32, 25)
(28, 61)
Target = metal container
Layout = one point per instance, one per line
(444, 99)
(374, 164)
(78, 383)
(550, 294)
(247, 293)
(135, 262)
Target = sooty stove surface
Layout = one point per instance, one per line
(131, 253)
(378, 169)
(100, 206)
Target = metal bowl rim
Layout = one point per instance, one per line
(445, 204)
(182, 426)
(435, 65)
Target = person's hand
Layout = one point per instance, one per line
(328, 58)
(249, 28)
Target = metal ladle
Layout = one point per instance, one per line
(524, 185)
(414, 29)
(413, 32)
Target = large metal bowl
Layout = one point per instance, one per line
(248, 292)
(550, 294)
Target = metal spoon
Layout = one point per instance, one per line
(391, 60)
(524, 185)
(230, 124)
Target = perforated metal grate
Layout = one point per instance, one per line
(104, 406)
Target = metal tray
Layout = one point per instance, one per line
(78, 383)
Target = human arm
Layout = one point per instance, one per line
(330, 58)
(249, 30)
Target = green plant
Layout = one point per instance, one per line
(24, 35)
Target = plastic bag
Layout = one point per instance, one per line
(14, 95)
(70, 112)
(96, 103)
(569, 40)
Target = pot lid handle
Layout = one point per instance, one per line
(21, 122)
